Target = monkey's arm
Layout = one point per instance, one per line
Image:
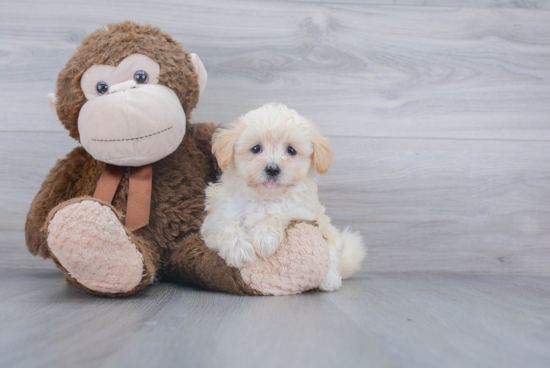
(74, 176)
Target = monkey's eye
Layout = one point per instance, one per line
(291, 151)
(102, 88)
(256, 149)
(141, 77)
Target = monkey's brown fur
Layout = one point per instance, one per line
(109, 47)
(170, 244)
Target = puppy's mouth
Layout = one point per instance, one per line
(271, 184)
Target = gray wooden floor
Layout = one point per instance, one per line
(375, 320)
(439, 114)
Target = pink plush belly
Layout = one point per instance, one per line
(300, 264)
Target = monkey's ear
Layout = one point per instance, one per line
(223, 144)
(52, 100)
(200, 70)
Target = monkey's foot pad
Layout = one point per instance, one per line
(89, 241)
(300, 264)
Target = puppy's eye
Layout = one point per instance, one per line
(256, 149)
(291, 151)
(101, 88)
(141, 77)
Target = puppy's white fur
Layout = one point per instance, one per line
(249, 211)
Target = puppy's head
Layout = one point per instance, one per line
(273, 149)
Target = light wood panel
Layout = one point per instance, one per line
(452, 105)
(14, 253)
(452, 320)
(522, 4)
(362, 70)
(422, 204)
(26, 159)
(375, 320)
(442, 205)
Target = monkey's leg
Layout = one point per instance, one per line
(96, 252)
(191, 261)
(300, 264)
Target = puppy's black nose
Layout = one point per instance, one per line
(272, 170)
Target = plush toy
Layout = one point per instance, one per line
(128, 204)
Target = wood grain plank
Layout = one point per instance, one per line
(422, 205)
(377, 71)
(26, 160)
(295, 331)
(62, 325)
(452, 320)
(522, 4)
(444, 205)
(389, 320)
(14, 253)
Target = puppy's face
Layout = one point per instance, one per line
(272, 159)
(273, 149)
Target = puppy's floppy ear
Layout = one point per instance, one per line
(223, 143)
(322, 154)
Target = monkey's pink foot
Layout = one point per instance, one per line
(89, 241)
(300, 264)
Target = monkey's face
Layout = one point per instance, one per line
(127, 93)
(129, 119)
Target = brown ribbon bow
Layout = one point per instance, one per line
(139, 192)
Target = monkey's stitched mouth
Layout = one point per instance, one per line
(131, 139)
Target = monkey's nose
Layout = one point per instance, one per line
(122, 86)
(272, 170)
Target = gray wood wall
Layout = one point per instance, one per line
(439, 113)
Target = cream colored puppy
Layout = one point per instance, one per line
(270, 159)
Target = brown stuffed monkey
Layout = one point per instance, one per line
(128, 204)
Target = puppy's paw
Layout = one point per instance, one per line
(265, 241)
(331, 282)
(241, 252)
